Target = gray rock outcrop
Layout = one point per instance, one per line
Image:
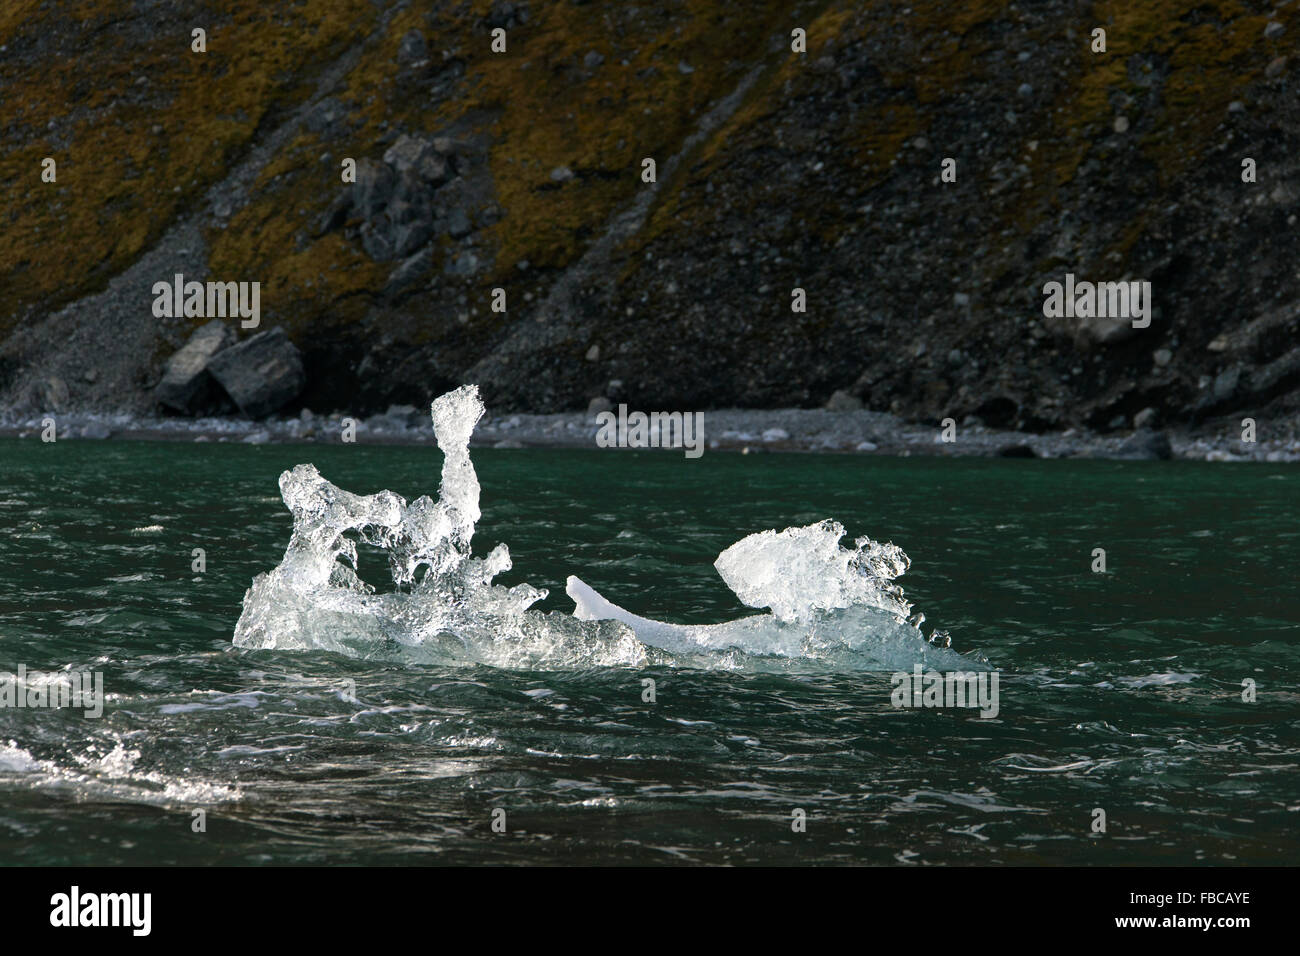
(261, 374)
(186, 384)
(1147, 444)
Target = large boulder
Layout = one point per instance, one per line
(261, 374)
(413, 50)
(409, 154)
(393, 199)
(842, 401)
(373, 189)
(398, 418)
(1146, 444)
(186, 385)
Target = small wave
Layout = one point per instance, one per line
(111, 774)
(1157, 680)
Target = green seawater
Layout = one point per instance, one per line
(1119, 690)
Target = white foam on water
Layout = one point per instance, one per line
(14, 759)
(827, 605)
(111, 775)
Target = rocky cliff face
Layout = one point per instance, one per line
(775, 170)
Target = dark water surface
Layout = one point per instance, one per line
(1120, 691)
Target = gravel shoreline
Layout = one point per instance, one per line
(730, 430)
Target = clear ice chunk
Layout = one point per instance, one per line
(827, 605)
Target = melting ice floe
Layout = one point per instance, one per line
(829, 606)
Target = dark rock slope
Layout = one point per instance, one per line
(775, 170)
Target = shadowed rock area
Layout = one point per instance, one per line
(776, 170)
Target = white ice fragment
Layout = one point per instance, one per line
(798, 571)
(443, 603)
(829, 605)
